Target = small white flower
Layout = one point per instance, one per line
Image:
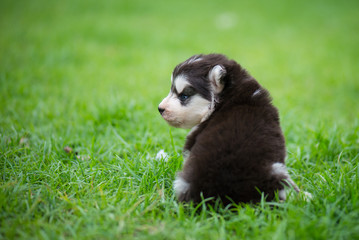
(162, 155)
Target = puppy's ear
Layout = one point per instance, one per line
(215, 77)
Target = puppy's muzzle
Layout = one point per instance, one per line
(161, 110)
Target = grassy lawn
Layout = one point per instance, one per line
(90, 74)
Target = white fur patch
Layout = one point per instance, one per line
(194, 59)
(279, 169)
(180, 83)
(210, 110)
(186, 116)
(192, 130)
(180, 186)
(282, 195)
(198, 110)
(185, 155)
(257, 92)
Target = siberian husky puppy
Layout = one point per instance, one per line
(236, 149)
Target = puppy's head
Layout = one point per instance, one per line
(196, 83)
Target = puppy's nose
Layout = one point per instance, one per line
(161, 110)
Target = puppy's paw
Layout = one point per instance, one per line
(282, 195)
(181, 188)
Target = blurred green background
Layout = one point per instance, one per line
(57, 53)
(90, 75)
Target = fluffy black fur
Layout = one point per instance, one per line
(232, 152)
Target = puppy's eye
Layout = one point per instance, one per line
(186, 94)
(183, 97)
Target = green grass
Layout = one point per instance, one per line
(90, 74)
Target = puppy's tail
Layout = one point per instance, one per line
(292, 184)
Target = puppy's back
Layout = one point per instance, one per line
(233, 151)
